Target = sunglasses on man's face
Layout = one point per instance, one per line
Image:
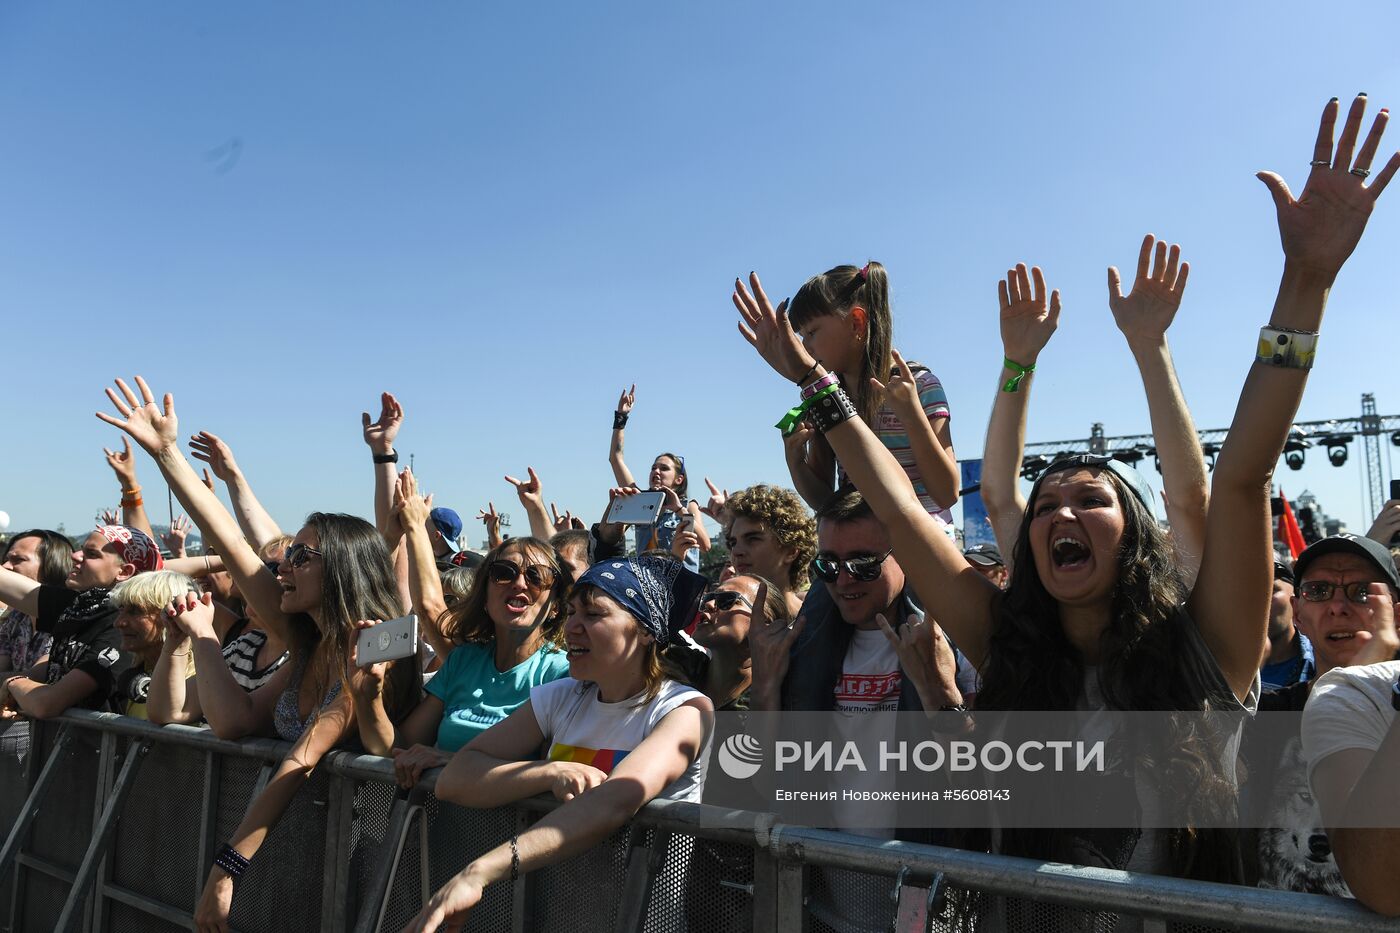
(299, 555)
(863, 569)
(724, 600)
(538, 576)
(1320, 591)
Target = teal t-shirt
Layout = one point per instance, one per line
(476, 696)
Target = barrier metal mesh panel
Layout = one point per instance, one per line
(559, 893)
(43, 901)
(122, 918)
(61, 831)
(281, 890)
(713, 877)
(14, 787)
(155, 852)
(456, 836)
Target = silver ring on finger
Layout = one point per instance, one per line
(1360, 172)
(1321, 163)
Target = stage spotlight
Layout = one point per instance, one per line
(1209, 451)
(1337, 448)
(1130, 456)
(1293, 449)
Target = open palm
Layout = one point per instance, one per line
(153, 428)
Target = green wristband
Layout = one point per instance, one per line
(1014, 383)
(789, 422)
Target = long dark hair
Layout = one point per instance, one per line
(55, 553)
(357, 582)
(1031, 665)
(467, 621)
(837, 291)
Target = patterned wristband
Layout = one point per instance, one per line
(833, 408)
(830, 379)
(1292, 349)
(230, 861)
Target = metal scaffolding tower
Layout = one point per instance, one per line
(1333, 434)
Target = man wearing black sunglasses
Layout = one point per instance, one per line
(842, 662)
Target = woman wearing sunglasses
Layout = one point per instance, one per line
(723, 630)
(499, 642)
(1096, 615)
(619, 732)
(335, 572)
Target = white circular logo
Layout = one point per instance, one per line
(385, 640)
(741, 756)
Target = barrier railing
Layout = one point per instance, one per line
(121, 820)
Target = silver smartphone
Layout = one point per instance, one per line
(388, 641)
(641, 508)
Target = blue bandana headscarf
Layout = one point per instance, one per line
(661, 593)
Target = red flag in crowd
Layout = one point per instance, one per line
(1288, 528)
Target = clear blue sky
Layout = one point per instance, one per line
(507, 213)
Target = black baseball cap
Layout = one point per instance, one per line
(985, 554)
(1283, 572)
(1373, 551)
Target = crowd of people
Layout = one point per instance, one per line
(587, 663)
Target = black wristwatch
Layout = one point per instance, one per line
(391, 457)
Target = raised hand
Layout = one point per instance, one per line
(380, 434)
(108, 517)
(564, 522)
(151, 427)
(770, 643)
(1387, 523)
(902, 391)
(769, 331)
(626, 400)
(174, 539)
(492, 521)
(1145, 313)
(411, 508)
(1320, 228)
(192, 614)
(1027, 320)
(207, 480)
(213, 451)
(123, 464)
(715, 507)
(528, 490)
(926, 656)
(684, 542)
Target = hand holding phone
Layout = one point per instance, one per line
(642, 508)
(388, 641)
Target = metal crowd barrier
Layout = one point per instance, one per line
(120, 820)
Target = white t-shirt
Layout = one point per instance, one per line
(869, 675)
(580, 727)
(1349, 707)
(847, 901)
